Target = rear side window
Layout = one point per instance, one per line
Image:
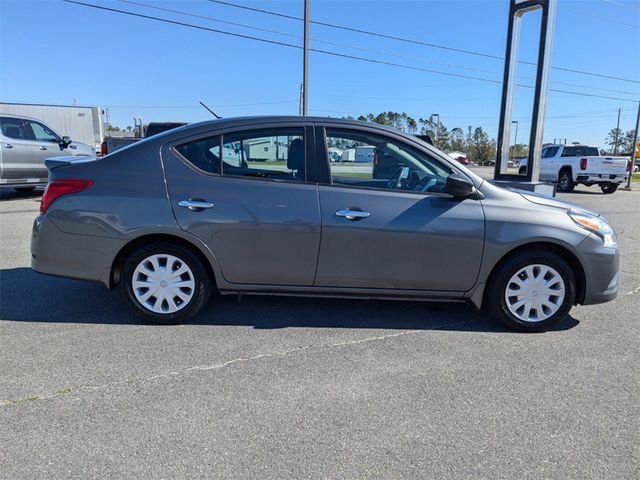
(273, 154)
(17, 128)
(549, 152)
(203, 154)
(569, 152)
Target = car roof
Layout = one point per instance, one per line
(23, 117)
(231, 122)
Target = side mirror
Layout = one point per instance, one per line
(458, 185)
(65, 142)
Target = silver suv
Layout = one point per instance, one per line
(24, 145)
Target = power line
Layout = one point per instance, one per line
(606, 19)
(370, 50)
(417, 42)
(620, 4)
(326, 42)
(328, 52)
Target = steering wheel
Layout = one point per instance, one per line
(395, 181)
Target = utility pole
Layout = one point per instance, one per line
(515, 139)
(300, 101)
(615, 141)
(305, 72)
(633, 148)
(437, 127)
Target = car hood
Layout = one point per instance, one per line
(539, 199)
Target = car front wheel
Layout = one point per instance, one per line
(165, 283)
(532, 291)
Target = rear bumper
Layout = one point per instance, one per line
(601, 271)
(600, 178)
(54, 252)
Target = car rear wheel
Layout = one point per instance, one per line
(531, 292)
(165, 283)
(608, 187)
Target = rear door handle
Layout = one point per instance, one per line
(8, 145)
(195, 205)
(352, 214)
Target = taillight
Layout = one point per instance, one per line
(583, 164)
(103, 148)
(629, 163)
(58, 188)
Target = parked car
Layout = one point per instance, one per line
(24, 145)
(459, 157)
(169, 220)
(113, 143)
(569, 165)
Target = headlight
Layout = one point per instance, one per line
(596, 225)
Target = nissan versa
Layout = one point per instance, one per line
(253, 205)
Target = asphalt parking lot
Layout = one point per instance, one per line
(271, 387)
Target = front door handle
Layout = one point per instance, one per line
(43, 148)
(8, 145)
(352, 214)
(195, 204)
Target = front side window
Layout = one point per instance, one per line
(549, 152)
(42, 133)
(274, 154)
(364, 160)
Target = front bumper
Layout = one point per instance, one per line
(83, 257)
(601, 270)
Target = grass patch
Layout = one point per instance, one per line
(635, 177)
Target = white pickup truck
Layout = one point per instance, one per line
(569, 165)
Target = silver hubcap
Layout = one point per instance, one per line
(534, 293)
(163, 283)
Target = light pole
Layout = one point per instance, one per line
(515, 140)
(437, 127)
(305, 70)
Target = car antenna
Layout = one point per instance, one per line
(211, 111)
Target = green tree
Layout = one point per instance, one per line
(614, 139)
(626, 143)
(482, 148)
(456, 139)
(401, 121)
(437, 131)
(519, 150)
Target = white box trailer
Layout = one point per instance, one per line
(82, 124)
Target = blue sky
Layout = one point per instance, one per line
(56, 52)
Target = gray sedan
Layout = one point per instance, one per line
(254, 205)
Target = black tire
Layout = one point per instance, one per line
(202, 283)
(495, 302)
(24, 189)
(608, 187)
(522, 171)
(565, 181)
